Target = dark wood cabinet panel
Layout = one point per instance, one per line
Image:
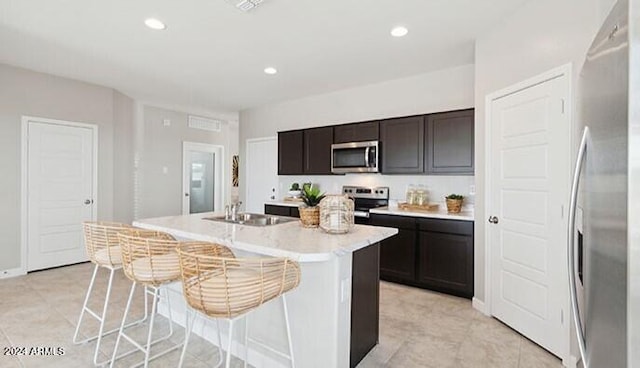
(446, 262)
(357, 132)
(317, 150)
(365, 302)
(398, 256)
(398, 253)
(429, 253)
(274, 209)
(290, 153)
(450, 143)
(402, 145)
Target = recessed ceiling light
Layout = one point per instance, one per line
(154, 23)
(270, 70)
(399, 31)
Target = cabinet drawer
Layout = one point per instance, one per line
(446, 226)
(295, 212)
(400, 222)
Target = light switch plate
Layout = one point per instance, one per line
(166, 122)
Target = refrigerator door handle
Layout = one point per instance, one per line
(571, 246)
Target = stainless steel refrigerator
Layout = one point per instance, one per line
(605, 256)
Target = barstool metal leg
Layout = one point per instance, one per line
(246, 340)
(228, 362)
(84, 307)
(122, 324)
(286, 321)
(189, 321)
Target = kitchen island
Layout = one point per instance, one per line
(334, 310)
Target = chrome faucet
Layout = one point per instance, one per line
(234, 210)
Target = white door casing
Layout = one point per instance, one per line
(262, 173)
(528, 169)
(59, 190)
(219, 169)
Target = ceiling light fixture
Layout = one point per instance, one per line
(270, 70)
(154, 23)
(399, 31)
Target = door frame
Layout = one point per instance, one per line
(24, 178)
(220, 168)
(566, 71)
(246, 151)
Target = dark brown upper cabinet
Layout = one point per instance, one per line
(449, 143)
(402, 145)
(290, 150)
(357, 132)
(317, 150)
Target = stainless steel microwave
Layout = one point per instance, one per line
(355, 157)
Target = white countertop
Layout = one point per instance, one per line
(465, 215)
(282, 240)
(285, 203)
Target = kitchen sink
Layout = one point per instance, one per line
(253, 219)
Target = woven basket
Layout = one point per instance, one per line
(454, 205)
(310, 216)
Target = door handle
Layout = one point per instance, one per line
(88, 201)
(571, 246)
(186, 194)
(366, 156)
(493, 219)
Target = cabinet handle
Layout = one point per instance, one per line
(571, 246)
(493, 219)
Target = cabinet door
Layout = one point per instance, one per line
(446, 262)
(358, 132)
(317, 150)
(270, 209)
(398, 256)
(450, 142)
(290, 153)
(402, 145)
(294, 212)
(398, 253)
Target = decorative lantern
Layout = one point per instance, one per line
(336, 214)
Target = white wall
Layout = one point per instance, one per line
(444, 90)
(158, 146)
(23, 92)
(132, 143)
(540, 36)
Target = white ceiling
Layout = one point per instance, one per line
(212, 55)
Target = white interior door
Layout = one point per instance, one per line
(262, 173)
(60, 192)
(203, 178)
(530, 140)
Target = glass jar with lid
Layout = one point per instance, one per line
(421, 196)
(411, 194)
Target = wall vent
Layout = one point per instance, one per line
(245, 5)
(198, 122)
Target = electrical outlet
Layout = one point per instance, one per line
(165, 170)
(472, 189)
(166, 122)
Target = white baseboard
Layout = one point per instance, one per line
(13, 272)
(479, 305)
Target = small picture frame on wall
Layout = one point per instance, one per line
(234, 170)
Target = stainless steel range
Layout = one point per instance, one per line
(366, 198)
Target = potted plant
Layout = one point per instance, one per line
(310, 212)
(454, 203)
(294, 191)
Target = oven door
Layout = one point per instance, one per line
(354, 157)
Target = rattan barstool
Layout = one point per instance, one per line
(103, 249)
(153, 263)
(229, 288)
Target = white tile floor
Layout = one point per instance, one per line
(418, 328)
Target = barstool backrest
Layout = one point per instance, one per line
(149, 257)
(220, 285)
(99, 238)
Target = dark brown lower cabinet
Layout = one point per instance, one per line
(446, 262)
(429, 253)
(365, 302)
(273, 209)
